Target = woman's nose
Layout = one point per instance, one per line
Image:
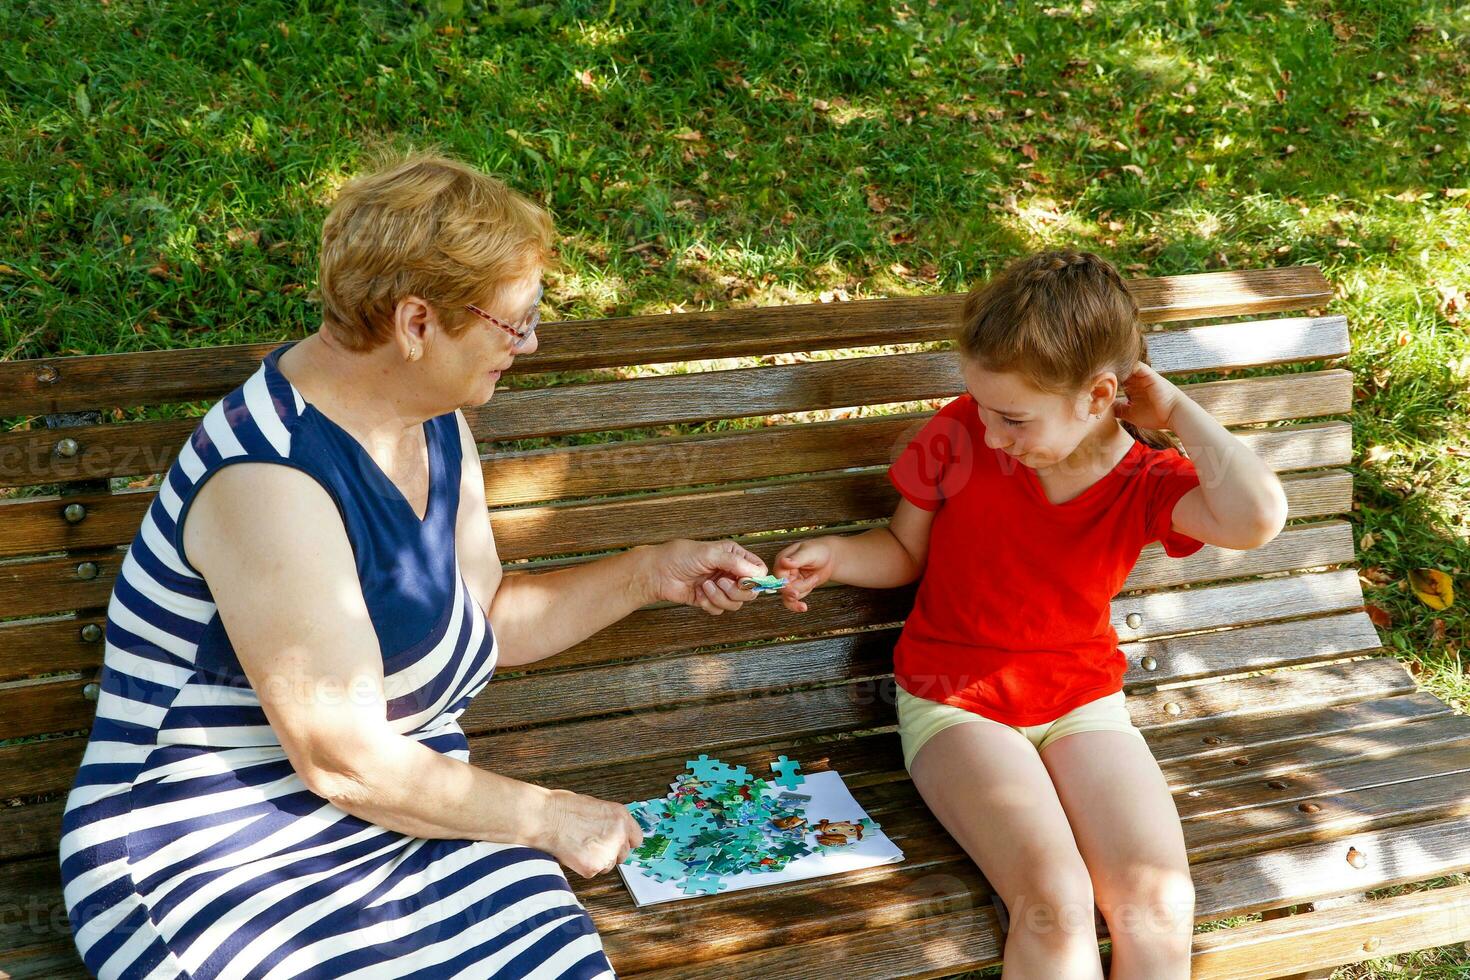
(532, 342)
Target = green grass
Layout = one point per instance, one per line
(165, 168)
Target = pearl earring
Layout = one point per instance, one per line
(413, 353)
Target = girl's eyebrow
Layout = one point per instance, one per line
(1000, 411)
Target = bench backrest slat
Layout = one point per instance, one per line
(64, 384)
(31, 457)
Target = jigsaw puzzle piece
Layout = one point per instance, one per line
(705, 884)
(665, 869)
(787, 775)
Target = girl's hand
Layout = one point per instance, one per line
(806, 565)
(1150, 399)
(703, 573)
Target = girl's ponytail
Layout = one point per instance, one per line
(1154, 438)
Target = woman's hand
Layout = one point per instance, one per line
(805, 565)
(1150, 399)
(703, 573)
(588, 835)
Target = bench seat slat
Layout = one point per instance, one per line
(712, 727)
(954, 882)
(1406, 774)
(942, 943)
(56, 959)
(1273, 745)
(1213, 837)
(1220, 885)
(1382, 756)
(151, 377)
(1332, 937)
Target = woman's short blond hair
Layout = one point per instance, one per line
(427, 226)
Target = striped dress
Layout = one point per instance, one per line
(191, 848)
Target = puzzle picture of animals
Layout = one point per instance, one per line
(721, 828)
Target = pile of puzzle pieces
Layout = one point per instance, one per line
(719, 821)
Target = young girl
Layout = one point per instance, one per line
(1025, 504)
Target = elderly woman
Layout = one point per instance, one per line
(277, 784)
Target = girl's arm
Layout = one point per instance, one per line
(1239, 503)
(883, 558)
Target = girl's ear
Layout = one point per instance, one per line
(1102, 393)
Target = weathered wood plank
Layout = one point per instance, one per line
(664, 628)
(676, 399)
(53, 960)
(969, 938)
(31, 457)
(605, 469)
(41, 586)
(36, 707)
(1348, 798)
(61, 384)
(658, 682)
(712, 727)
(925, 846)
(1199, 756)
(828, 498)
(1335, 937)
(43, 646)
(37, 525)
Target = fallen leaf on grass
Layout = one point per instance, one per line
(1379, 615)
(1433, 587)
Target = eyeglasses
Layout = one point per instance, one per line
(521, 337)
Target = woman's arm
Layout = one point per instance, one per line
(285, 583)
(537, 615)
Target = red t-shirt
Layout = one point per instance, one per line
(1011, 619)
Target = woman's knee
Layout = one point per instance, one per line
(1052, 898)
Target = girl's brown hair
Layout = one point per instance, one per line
(1057, 318)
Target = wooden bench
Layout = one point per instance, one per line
(1306, 765)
